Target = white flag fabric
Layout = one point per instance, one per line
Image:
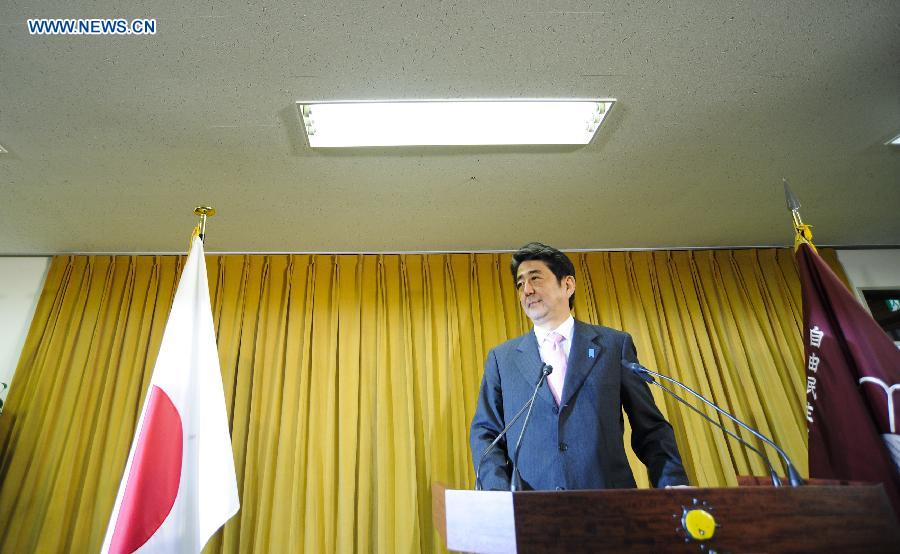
(179, 484)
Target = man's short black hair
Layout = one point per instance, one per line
(559, 263)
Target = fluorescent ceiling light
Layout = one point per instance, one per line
(894, 141)
(452, 123)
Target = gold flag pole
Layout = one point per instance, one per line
(803, 232)
(200, 229)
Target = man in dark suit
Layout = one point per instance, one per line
(574, 437)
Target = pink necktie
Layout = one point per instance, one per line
(558, 360)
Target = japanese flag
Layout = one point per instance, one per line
(179, 484)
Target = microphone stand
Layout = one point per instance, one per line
(793, 475)
(545, 370)
(515, 482)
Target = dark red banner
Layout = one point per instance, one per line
(852, 371)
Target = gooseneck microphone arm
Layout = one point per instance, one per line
(545, 370)
(776, 481)
(515, 481)
(647, 375)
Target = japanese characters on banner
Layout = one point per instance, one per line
(812, 366)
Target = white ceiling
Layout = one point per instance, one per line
(113, 140)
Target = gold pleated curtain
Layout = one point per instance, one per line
(350, 381)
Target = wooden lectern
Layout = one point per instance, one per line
(743, 519)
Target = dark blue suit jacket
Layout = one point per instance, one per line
(578, 445)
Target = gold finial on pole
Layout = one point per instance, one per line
(803, 231)
(204, 212)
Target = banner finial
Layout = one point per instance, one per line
(203, 212)
(803, 232)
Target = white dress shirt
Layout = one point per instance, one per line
(566, 329)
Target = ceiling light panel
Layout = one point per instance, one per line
(452, 123)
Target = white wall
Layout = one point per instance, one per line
(871, 268)
(21, 281)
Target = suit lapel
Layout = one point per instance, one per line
(583, 356)
(529, 364)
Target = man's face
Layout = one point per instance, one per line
(544, 298)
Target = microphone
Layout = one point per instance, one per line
(545, 370)
(647, 375)
(515, 482)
